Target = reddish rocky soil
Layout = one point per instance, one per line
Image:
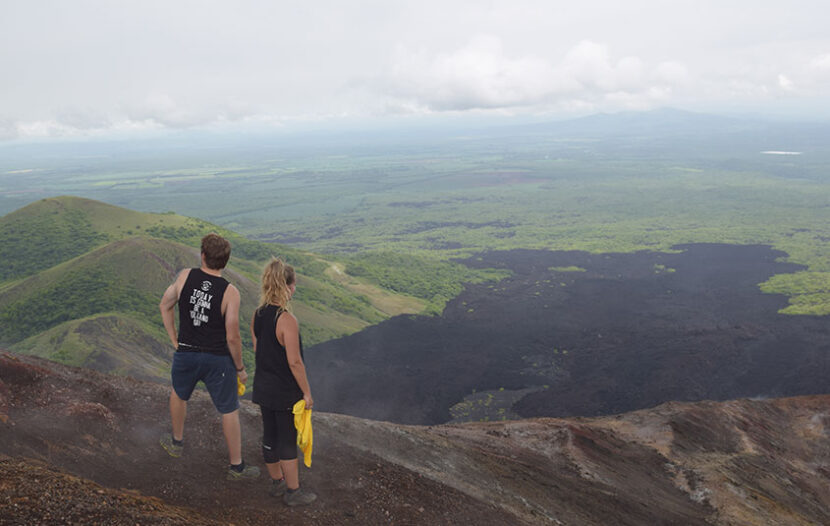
(629, 332)
(80, 447)
(105, 429)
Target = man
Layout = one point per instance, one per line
(208, 349)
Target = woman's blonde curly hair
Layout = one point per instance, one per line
(276, 278)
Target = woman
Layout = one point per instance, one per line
(280, 380)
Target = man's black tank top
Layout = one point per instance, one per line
(274, 383)
(201, 323)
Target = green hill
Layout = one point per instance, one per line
(40, 314)
(82, 282)
(126, 276)
(107, 342)
(38, 236)
(101, 309)
(51, 231)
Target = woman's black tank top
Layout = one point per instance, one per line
(274, 383)
(201, 323)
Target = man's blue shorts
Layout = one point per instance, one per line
(216, 371)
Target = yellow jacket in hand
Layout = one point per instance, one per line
(305, 436)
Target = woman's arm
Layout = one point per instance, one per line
(288, 334)
(253, 334)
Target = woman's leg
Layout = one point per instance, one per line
(291, 473)
(270, 441)
(294, 496)
(287, 447)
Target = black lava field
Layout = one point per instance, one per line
(630, 331)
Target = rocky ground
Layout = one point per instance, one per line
(79, 447)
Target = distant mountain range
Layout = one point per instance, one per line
(673, 131)
(81, 281)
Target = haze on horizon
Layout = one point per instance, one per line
(98, 68)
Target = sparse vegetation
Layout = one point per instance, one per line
(103, 270)
(433, 280)
(810, 291)
(571, 268)
(79, 294)
(31, 240)
(396, 217)
(486, 406)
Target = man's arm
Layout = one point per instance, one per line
(168, 304)
(232, 330)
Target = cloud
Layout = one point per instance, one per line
(785, 83)
(482, 75)
(155, 111)
(805, 78)
(478, 75)
(165, 110)
(86, 66)
(821, 64)
(671, 73)
(8, 129)
(82, 117)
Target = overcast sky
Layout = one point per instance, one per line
(74, 67)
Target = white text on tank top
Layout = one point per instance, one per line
(200, 301)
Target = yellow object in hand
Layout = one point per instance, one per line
(240, 387)
(305, 435)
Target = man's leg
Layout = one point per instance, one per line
(183, 377)
(233, 436)
(221, 384)
(178, 412)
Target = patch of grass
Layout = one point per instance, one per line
(384, 301)
(430, 279)
(809, 291)
(572, 268)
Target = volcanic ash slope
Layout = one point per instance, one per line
(77, 446)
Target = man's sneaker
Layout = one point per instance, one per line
(298, 497)
(174, 450)
(248, 472)
(277, 488)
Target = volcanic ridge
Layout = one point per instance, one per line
(81, 447)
